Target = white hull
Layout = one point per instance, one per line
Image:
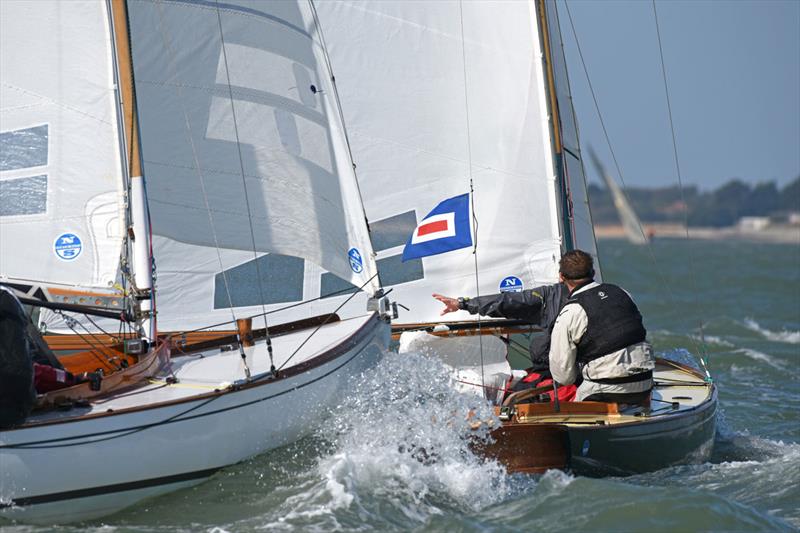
(88, 466)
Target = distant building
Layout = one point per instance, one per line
(753, 223)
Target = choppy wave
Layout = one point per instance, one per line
(762, 357)
(789, 337)
(713, 340)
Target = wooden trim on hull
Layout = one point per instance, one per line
(147, 365)
(593, 438)
(516, 444)
(337, 351)
(254, 431)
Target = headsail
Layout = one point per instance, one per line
(245, 154)
(437, 94)
(62, 208)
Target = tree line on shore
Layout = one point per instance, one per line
(721, 207)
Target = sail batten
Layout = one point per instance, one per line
(244, 150)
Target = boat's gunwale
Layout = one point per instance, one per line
(709, 402)
(327, 356)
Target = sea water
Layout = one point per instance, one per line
(394, 455)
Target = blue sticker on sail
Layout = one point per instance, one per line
(68, 246)
(356, 262)
(511, 284)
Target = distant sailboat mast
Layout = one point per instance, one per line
(634, 231)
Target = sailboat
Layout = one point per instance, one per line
(632, 226)
(456, 99)
(167, 170)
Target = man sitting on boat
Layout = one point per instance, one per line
(599, 336)
(538, 306)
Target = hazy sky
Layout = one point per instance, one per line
(733, 69)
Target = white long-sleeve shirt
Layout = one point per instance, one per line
(569, 328)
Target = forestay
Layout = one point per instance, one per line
(435, 94)
(244, 154)
(62, 212)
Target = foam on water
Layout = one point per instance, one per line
(789, 337)
(713, 340)
(762, 357)
(753, 471)
(399, 453)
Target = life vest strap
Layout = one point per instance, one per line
(635, 378)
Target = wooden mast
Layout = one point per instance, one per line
(555, 122)
(139, 229)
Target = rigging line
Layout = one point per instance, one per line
(195, 158)
(325, 55)
(68, 320)
(703, 354)
(650, 251)
(326, 320)
(471, 185)
(298, 304)
(246, 200)
(605, 130)
(95, 324)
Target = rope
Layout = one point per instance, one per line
(247, 202)
(471, 183)
(651, 253)
(703, 353)
(326, 321)
(611, 149)
(195, 158)
(100, 356)
(504, 389)
(298, 304)
(328, 66)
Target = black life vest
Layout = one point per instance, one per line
(614, 321)
(552, 301)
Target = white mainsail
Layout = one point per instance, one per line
(62, 206)
(244, 155)
(437, 94)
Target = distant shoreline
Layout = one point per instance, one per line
(777, 233)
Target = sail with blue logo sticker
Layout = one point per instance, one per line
(250, 184)
(178, 218)
(62, 186)
(460, 120)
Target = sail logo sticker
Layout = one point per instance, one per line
(68, 246)
(511, 284)
(356, 262)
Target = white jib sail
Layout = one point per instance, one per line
(61, 182)
(436, 93)
(244, 154)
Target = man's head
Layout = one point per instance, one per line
(576, 267)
